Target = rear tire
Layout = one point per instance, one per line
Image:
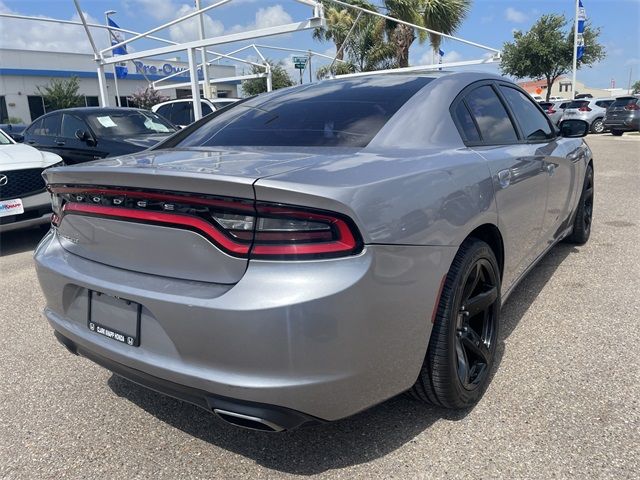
(617, 133)
(584, 212)
(462, 347)
(597, 126)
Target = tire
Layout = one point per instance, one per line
(461, 337)
(597, 126)
(584, 212)
(617, 133)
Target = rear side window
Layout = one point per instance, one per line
(578, 104)
(47, 127)
(34, 128)
(337, 113)
(546, 105)
(563, 105)
(465, 124)
(533, 122)
(604, 103)
(491, 116)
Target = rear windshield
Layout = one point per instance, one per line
(335, 113)
(623, 102)
(545, 105)
(126, 123)
(578, 104)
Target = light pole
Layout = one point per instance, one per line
(115, 77)
(206, 86)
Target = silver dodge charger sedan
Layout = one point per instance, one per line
(300, 256)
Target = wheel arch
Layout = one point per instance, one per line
(490, 234)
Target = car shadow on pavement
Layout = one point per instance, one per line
(361, 438)
(19, 241)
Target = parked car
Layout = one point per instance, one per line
(623, 115)
(90, 133)
(180, 112)
(14, 130)
(554, 110)
(591, 110)
(278, 267)
(24, 202)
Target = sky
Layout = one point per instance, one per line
(490, 22)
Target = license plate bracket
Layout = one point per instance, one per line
(115, 318)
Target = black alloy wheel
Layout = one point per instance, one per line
(584, 211)
(462, 347)
(476, 325)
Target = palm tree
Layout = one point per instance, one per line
(402, 36)
(339, 22)
(443, 16)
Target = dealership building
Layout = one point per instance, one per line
(23, 71)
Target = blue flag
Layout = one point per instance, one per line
(117, 37)
(582, 17)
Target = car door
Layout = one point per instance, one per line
(72, 149)
(559, 167)
(518, 178)
(42, 133)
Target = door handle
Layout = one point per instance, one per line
(60, 144)
(504, 177)
(31, 142)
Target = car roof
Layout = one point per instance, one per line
(88, 110)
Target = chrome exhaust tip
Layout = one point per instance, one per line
(247, 421)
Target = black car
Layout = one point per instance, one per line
(89, 133)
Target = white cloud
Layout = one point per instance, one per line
(158, 9)
(189, 29)
(514, 15)
(266, 17)
(46, 36)
(428, 57)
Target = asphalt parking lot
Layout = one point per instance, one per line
(562, 404)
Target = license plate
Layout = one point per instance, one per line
(114, 318)
(11, 207)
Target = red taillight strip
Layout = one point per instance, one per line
(160, 217)
(167, 197)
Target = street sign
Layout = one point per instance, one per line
(300, 62)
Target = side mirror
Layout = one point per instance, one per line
(574, 128)
(85, 136)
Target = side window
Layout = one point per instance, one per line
(182, 113)
(206, 109)
(50, 126)
(165, 111)
(70, 125)
(563, 105)
(467, 128)
(604, 103)
(35, 128)
(491, 116)
(533, 122)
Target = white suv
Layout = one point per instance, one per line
(591, 110)
(180, 112)
(24, 201)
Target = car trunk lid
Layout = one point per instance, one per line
(153, 212)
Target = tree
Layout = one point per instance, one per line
(279, 77)
(61, 94)
(546, 51)
(147, 98)
(400, 35)
(339, 22)
(444, 16)
(635, 88)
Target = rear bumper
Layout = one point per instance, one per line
(625, 124)
(325, 338)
